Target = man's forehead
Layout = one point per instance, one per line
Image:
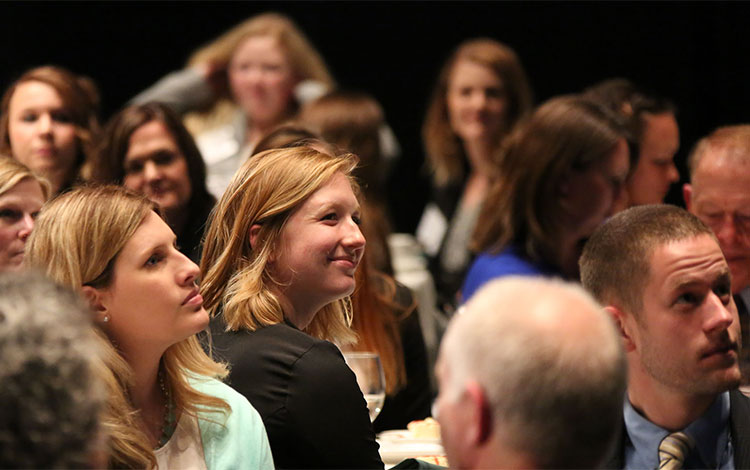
(693, 259)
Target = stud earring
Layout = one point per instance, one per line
(105, 319)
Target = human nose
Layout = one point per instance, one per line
(44, 124)
(151, 171)
(672, 173)
(353, 239)
(720, 315)
(26, 226)
(189, 272)
(726, 231)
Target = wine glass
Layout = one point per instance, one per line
(370, 378)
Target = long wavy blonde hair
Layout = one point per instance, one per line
(304, 59)
(236, 277)
(76, 241)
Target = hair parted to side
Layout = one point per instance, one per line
(80, 98)
(236, 277)
(49, 351)
(633, 105)
(13, 172)
(567, 387)
(445, 153)
(109, 166)
(732, 141)
(76, 241)
(523, 205)
(615, 264)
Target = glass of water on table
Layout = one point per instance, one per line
(370, 378)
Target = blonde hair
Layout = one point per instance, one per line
(265, 191)
(76, 241)
(305, 61)
(445, 153)
(13, 172)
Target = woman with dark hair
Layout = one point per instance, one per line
(557, 180)
(147, 149)
(481, 93)
(48, 122)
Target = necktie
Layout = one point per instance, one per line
(673, 450)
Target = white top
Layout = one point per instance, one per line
(184, 450)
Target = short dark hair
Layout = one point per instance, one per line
(615, 265)
(109, 165)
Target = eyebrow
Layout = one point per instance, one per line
(689, 280)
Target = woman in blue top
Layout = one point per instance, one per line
(556, 181)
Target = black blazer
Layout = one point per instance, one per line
(739, 429)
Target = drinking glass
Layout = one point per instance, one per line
(370, 378)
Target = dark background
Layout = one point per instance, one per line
(694, 53)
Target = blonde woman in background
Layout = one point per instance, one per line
(165, 407)
(481, 93)
(48, 122)
(245, 82)
(279, 262)
(21, 197)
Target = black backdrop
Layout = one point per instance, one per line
(694, 53)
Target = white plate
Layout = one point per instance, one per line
(397, 445)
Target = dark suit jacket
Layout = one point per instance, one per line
(739, 428)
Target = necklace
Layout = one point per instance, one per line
(170, 423)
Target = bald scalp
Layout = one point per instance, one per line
(550, 362)
(728, 142)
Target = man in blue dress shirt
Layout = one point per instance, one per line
(664, 280)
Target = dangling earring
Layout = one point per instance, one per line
(348, 310)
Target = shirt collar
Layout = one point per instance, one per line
(710, 432)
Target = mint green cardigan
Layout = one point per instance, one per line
(236, 440)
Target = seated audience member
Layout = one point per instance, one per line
(661, 275)
(48, 122)
(165, 407)
(719, 194)
(51, 396)
(251, 78)
(385, 319)
(279, 262)
(557, 180)
(21, 197)
(481, 93)
(532, 375)
(147, 149)
(655, 139)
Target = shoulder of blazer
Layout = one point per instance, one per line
(739, 425)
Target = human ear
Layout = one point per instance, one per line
(618, 316)
(687, 195)
(95, 300)
(480, 427)
(254, 231)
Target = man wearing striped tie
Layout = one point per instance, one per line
(664, 280)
